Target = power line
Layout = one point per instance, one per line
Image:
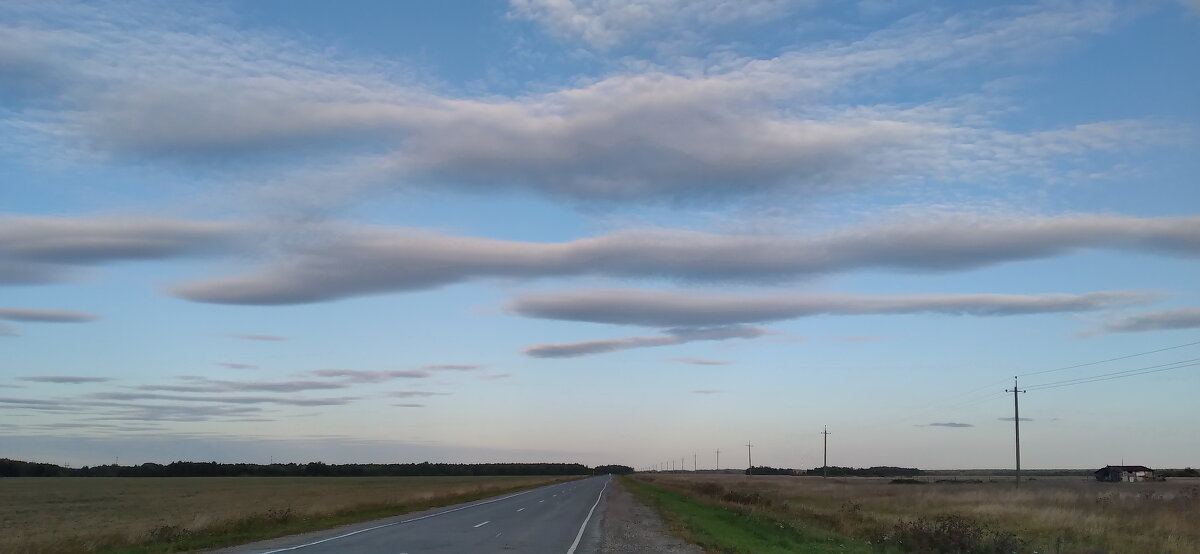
(1109, 360)
(1119, 374)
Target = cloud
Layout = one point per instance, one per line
(494, 376)
(109, 410)
(45, 316)
(203, 384)
(672, 337)
(415, 394)
(453, 367)
(235, 365)
(67, 379)
(612, 23)
(858, 339)
(699, 361)
(1175, 318)
(678, 309)
(46, 249)
(223, 399)
(949, 424)
(707, 391)
(173, 85)
(1011, 419)
(377, 261)
(259, 337)
(406, 405)
(369, 376)
(7, 331)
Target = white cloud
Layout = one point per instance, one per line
(1174, 318)
(46, 249)
(45, 316)
(738, 127)
(672, 337)
(67, 379)
(376, 261)
(610, 23)
(680, 309)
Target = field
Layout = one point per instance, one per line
(1047, 515)
(126, 514)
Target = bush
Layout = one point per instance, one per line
(949, 534)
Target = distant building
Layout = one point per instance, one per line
(1126, 474)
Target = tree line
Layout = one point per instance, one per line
(17, 468)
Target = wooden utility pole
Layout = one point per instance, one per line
(749, 460)
(718, 468)
(825, 462)
(694, 466)
(1017, 426)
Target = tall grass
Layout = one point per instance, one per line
(1045, 515)
(97, 514)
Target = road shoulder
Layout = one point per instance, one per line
(631, 526)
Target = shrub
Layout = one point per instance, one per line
(950, 534)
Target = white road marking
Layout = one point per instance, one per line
(575, 544)
(540, 501)
(519, 509)
(352, 533)
(482, 524)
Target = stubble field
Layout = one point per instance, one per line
(1046, 515)
(134, 514)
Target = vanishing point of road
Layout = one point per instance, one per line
(552, 519)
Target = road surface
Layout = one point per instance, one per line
(560, 518)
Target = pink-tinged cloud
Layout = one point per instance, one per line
(258, 337)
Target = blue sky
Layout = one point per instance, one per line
(599, 231)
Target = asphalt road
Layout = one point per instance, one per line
(561, 518)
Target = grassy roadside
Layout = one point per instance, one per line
(281, 523)
(722, 529)
(155, 515)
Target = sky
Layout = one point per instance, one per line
(600, 231)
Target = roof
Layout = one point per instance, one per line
(1124, 468)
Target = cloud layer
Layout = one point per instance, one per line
(1175, 318)
(45, 316)
(45, 249)
(672, 337)
(176, 87)
(678, 309)
(381, 261)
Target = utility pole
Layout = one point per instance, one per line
(682, 463)
(825, 463)
(694, 466)
(749, 460)
(718, 468)
(1017, 424)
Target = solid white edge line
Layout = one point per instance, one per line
(575, 544)
(299, 546)
(482, 524)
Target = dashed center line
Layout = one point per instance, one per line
(519, 509)
(482, 524)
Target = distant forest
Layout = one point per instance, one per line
(17, 468)
(877, 471)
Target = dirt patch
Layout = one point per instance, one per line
(630, 526)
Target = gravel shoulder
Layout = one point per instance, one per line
(630, 526)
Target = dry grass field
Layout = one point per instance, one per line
(1048, 515)
(91, 514)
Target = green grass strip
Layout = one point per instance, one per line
(721, 529)
(272, 526)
